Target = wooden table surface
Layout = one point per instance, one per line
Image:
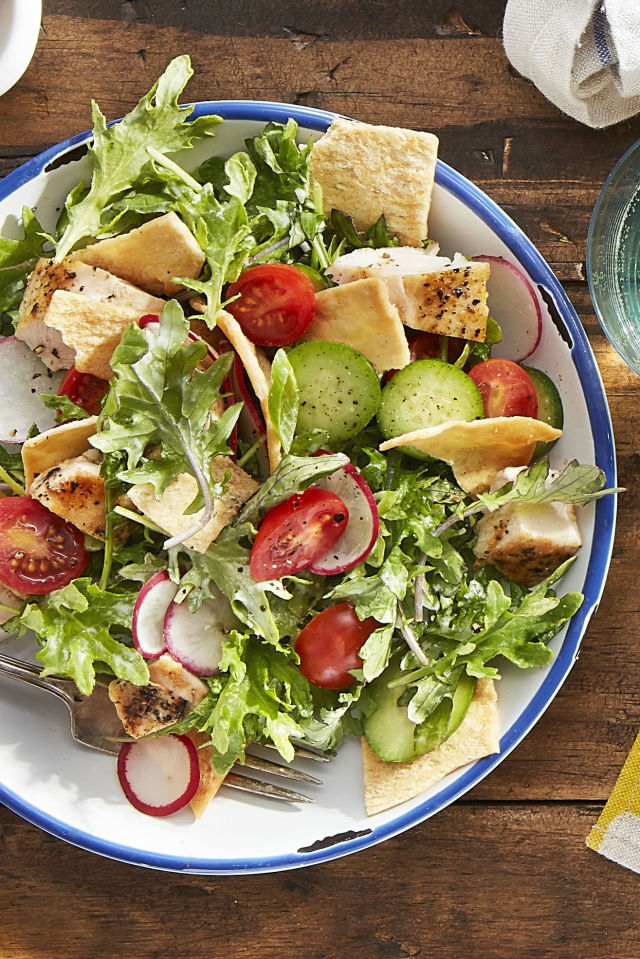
(504, 871)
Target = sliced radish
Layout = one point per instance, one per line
(514, 304)
(24, 378)
(149, 612)
(195, 639)
(359, 537)
(159, 776)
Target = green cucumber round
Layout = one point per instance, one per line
(339, 389)
(427, 393)
(549, 406)
(388, 730)
(390, 733)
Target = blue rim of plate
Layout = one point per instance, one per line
(604, 524)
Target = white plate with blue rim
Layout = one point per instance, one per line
(73, 793)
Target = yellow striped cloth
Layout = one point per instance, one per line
(616, 835)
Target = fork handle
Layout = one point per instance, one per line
(31, 675)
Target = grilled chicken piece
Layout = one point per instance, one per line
(145, 709)
(166, 672)
(431, 293)
(527, 541)
(74, 490)
(72, 276)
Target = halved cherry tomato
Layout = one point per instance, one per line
(39, 551)
(296, 533)
(328, 646)
(276, 304)
(505, 388)
(84, 389)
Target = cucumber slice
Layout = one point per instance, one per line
(339, 389)
(388, 730)
(549, 406)
(427, 393)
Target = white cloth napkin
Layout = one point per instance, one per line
(584, 55)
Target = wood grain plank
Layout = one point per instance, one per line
(432, 83)
(462, 89)
(336, 19)
(475, 880)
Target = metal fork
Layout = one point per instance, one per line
(95, 723)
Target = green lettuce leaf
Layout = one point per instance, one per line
(158, 398)
(82, 627)
(120, 153)
(261, 695)
(17, 260)
(294, 474)
(283, 399)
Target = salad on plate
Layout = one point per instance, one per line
(260, 465)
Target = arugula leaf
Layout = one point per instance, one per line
(119, 153)
(283, 399)
(577, 483)
(226, 563)
(158, 396)
(377, 594)
(65, 408)
(293, 475)
(75, 627)
(261, 695)
(17, 260)
(376, 236)
(224, 234)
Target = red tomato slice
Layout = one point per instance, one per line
(328, 646)
(84, 389)
(39, 551)
(505, 388)
(296, 533)
(276, 303)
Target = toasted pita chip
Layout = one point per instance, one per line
(210, 780)
(387, 784)
(168, 512)
(91, 328)
(151, 256)
(258, 369)
(477, 450)
(366, 171)
(361, 315)
(49, 449)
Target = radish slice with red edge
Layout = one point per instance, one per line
(514, 305)
(363, 526)
(24, 378)
(149, 613)
(159, 776)
(195, 639)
